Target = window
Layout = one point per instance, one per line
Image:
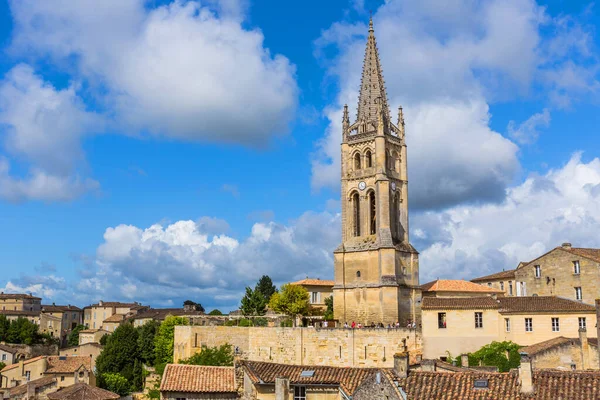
(368, 159)
(538, 271)
(442, 320)
(489, 284)
(578, 294)
(510, 288)
(28, 375)
(502, 286)
(180, 398)
(555, 325)
(356, 213)
(576, 267)
(314, 297)
(299, 393)
(523, 288)
(62, 378)
(478, 320)
(372, 214)
(357, 161)
(3, 357)
(507, 324)
(528, 324)
(358, 274)
(582, 324)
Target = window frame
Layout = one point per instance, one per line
(442, 321)
(530, 327)
(576, 267)
(578, 293)
(555, 322)
(502, 286)
(579, 323)
(507, 324)
(538, 271)
(510, 288)
(478, 321)
(298, 393)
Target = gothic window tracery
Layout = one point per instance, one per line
(356, 214)
(357, 161)
(368, 159)
(372, 214)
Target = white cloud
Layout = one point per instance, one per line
(528, 131)
(179, 70)
(43, 126)
(445, 64)
(539, 214)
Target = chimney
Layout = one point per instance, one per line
(428, 365)
(30, 391)
(464, 360)
(401, 364)
(526, 374)
(282, 388)
(585, 349)
(566, 246)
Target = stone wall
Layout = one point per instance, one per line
(303, 346)
(564, 356)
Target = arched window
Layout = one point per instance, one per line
(387, 160)
(396, 214)
(357, 161)
(372, 214)
(358, 274)
(395, 162)
(368, 159)
(356, 214)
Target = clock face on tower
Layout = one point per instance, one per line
(362, 185)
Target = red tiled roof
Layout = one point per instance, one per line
(459, 303)
(67, 364)
(115, 318)
(36, 383)
(347, 378)
(554, 342)
(457, 285)
(198, 379)
(510, 274)
(314, 282)
(542, 304)
(12, 366)
(82, 391)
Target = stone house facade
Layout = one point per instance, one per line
(19, 302)
(318, 290)
(91, 350)
(59, 320)
(8, 354)
(564, 353)
(91, 336)
(463, 325)
(95, 314)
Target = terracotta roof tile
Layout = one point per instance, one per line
(198, 379)
(15, 296)
(550, 344)
(314, 282)
(510, 274)
(82, 391)
(12, 366)
(115, 318)
(37, 383)
(457, 285)
(67, 364)
(459, 303)
(593, 254)
(347, 378)
(542, 304)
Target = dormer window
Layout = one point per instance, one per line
(538, 271)
(576, 267)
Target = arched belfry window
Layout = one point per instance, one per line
(372, 214)
(368, 159)
(357, 161)
(396, 211)
(356, 214)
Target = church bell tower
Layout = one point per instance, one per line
(376, 267)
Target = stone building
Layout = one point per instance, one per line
(58, 321)
(19, 302)
(8, 354)
(565, 271)
(564, 353)
(91, 336)
(91, 350)
(463, 325)
(457, 288)
(66, 370)
(95, 314)
(318, 290)
(376, 268)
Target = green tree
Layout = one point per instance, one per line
(138, 376)
(146, 335)
(116, 383)
(329, 311)
(494, 354)
(73, 338)
(104, 339)
(4, 325)
(163, 341)
(197, 306)
(265, 287)
(215, 312)
(292, 300)
(119, 355)
(23, 331)
(253, 303)
(216, 356)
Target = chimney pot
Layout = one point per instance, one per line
(585, 349)
(566, 245)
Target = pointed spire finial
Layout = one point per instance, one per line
(371, 21)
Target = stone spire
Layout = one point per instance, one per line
(372, 88)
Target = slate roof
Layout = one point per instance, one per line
(198, 379)
(314, 282)
(510, 274)
(459, 303)
(37, 383)
(549, 344)
(82, 391)
(347, 378)
(16, 365)
(67, 364)
(8, 349)
(16, 296)
(527, 304)
(457, 285)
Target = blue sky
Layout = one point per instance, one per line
(158, 151)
